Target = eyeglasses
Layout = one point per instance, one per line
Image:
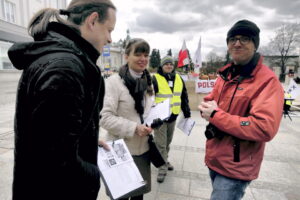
(243, 40)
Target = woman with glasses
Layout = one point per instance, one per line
(128, 99)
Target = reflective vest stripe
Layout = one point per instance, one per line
(177, 93)
(164, 92)
(176, 104)
(164, 95)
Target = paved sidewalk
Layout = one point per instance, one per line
(279, 178)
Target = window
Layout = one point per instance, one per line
(4, 60)
(9, 11)
(7, 65)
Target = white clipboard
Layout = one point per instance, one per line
(118, 169)
(160, 110)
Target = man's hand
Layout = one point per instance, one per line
(142, 130)
(206, 108)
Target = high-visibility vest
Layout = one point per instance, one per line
(288, 96)
(165, 92)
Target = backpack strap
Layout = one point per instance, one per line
(236, 150)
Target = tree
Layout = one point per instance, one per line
(169, 52)
(214, 62)
(191, 64)
(155, 58)
(285, 41)
(227, 58)
(158, 57)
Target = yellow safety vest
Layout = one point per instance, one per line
(288, 102)
(164, 92)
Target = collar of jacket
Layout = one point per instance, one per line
(168, 76)
(73, 35)
(247, 71)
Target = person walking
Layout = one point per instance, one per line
(244, 111)
(59, 98)
(287, 103)
(128, 100)
(168, 84)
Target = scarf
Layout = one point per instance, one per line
(137, 87)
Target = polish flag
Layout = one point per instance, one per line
(183, 58)
(198, 58)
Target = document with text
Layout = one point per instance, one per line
(118, 170)
(159, 110)
(186, 125)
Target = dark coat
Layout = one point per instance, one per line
(59, 98)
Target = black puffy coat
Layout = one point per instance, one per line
(59, 98)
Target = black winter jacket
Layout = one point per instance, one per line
(59, 98)
(184, 95)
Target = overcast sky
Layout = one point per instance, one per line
(166, 23)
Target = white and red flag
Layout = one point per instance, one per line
(183, 58)
(197, 57)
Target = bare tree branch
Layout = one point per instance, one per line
(285, 42)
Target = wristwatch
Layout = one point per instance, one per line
(213, 113)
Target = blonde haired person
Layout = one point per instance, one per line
(59, 98)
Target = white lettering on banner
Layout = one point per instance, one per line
(204, 86)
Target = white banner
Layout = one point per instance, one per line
(204, 86)
(185, 77)
(293, 89)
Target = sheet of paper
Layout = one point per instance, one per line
(186, 125)
(160, 110)
(118, 170)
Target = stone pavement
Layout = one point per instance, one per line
(279, 178)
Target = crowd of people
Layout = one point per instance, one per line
(62, 94)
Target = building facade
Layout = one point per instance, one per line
(113, 58)
(14, 19)
(292, 65)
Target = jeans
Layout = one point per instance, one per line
(225, 188)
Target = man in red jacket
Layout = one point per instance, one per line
(244, 112)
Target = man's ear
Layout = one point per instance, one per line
(92, 19)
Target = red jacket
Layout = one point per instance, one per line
(254, 118)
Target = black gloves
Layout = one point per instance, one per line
(156, 123)
(187, 115)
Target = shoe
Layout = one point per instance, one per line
(170, 167)
(161, 178)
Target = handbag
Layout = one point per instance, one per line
(155, 157)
